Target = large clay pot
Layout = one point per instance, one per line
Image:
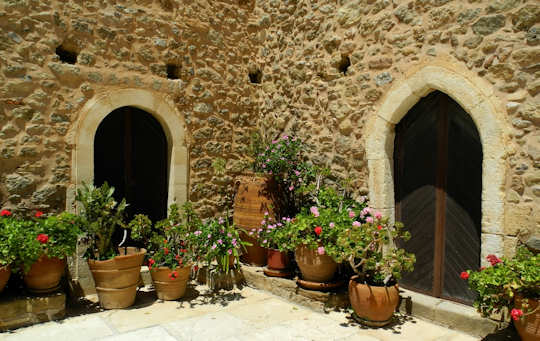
(314, 267)
(528, 327)
(278, 260)
(116, 279)
(167, 288)
(45, 274)
(255, 196)
(373, 305)
(5, 273)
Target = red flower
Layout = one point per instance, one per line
(183, 250)
(464, 275)
(38, 214)
(42, 238)
(166, 250)
(318, 230)
(494, 260)
(379, 227)
(516, 314)
(173, 275)
(150, 263)
(164, 241)
(5, 213)
(196, 268)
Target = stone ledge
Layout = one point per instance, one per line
(23, 311)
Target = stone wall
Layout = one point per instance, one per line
(119, 45)
(328, 66)
(325, 70)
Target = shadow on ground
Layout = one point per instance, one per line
(194, 297)
(398, 320)
(507, 334)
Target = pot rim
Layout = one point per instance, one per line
(355, 278)
(138, 253)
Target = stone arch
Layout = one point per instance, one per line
(477, 99)
(161, 107)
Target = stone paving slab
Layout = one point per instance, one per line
(239, 315)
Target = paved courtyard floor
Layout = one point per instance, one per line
(246, 314)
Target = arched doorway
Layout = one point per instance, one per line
(438, 189)
(131, 154)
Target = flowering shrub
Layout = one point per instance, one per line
(271, 234)
(369, 249)
(319, 227)
(497, 284)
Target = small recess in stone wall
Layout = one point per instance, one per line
(255, 76)
(66, 56)
(173, 71)
(344, 64)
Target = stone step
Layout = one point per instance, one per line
(20, 311)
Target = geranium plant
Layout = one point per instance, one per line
(370, 249)
(9, 234)
(101, 215)
(498, 284)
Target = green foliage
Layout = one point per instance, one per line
(101, 215)
(10, 238)
(497, 284)
(141, 227)
(370, 249)
(272, 234)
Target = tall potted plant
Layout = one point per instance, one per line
(510, 286)
(45, 243)
(9, 230)
(370, 250)
(115, 270)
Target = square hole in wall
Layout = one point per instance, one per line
(255, 76)
(173, 71)
(65, 55)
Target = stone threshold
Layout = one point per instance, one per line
(446, 313)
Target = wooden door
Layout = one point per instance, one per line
(131, 154)
(438, 177)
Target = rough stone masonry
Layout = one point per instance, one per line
(321, 68)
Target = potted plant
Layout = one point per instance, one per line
(510, 285)
(45, 243)
(169, 249)
(314, 232)
(273, 236)
(9, 229)
(370, 250)
(115, 271)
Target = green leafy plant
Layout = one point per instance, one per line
(272, 234)
(370, 249)
(10, 237)
(498, 284)
(101, 216)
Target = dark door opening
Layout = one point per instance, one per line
(438, 185)
(131, 154)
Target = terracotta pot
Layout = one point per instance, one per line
(278, 260)
(5, 273)
(374, 305)
(168, 289)
(116, 279)
(314, 267)
(255, 196)
(45, 274)
(528, 327)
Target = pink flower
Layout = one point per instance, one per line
(229, 251)
(369, 220)
(291, 187)
(266, 213)
(331, 225)
(263, 165)
(314, 210)
(352, 214)
(378, 215)
(285, 137)
(220, 220)
(214, 246)
(263, 222)
(516, 314)
(274, 141)
(264, 241)
(209, 236)
(297, 173)
(464, 275)
(220, 241)
(320, 250)
(356, 223)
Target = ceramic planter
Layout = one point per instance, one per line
(116, 279)
(314, 267)
(278, 260)
(167, 288)
(373, 305)
(528, 327)
(45, 274)
(5, 273)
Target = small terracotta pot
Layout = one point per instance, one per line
(5, 273)
(278, 260)
(169, 289)
(528, 327)
(314, 267)
(254, 254)
(116, 279)
(374, 305)
(45, 274)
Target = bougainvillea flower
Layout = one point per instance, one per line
(42, 238)
(38, 214)
(5, 213)
(464, 275)
(320, 250)
(494, 260)
(318, 230)
(516, 314)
